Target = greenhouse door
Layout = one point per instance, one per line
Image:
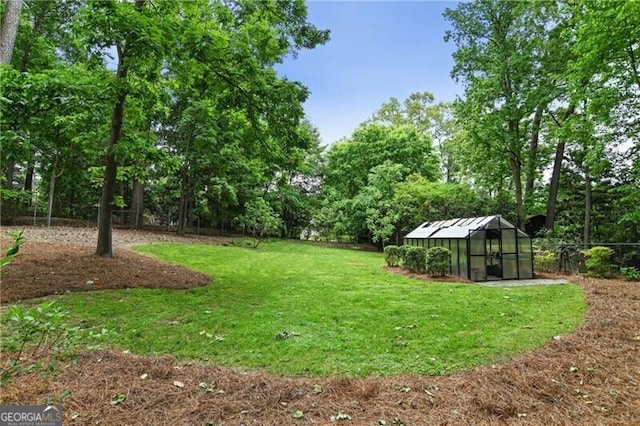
(493, 250)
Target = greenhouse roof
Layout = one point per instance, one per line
(460, 228)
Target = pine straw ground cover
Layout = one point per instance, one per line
(591, 377)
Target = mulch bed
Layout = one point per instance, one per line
(591, 377)
(44, 269)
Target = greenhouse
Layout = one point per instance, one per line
(482, 248)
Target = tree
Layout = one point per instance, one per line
(376, 201)
(136, 33)
(417, 200)
(600, 87)
(356, 180)
(229, 105)
(435, 120)
(9, 29)
(350, 161)
(259, 219)
(605, 80)
(499, 57)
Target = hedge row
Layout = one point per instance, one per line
(435, 260)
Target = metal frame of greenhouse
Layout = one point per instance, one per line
(482, 248)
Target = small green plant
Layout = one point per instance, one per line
(18, 238)
(438, 261)
(597, 261)
(36, 339)
(416, 259)
(545, 261)
(392, 255)
(630, 273)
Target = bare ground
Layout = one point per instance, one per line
(591, 377)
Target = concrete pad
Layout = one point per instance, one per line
(521, 283)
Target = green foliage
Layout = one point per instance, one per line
(12, 252)
(630, 273)
(402, 253)
(416, 259)
(416, 200)
(565, 252)
(361, 175)
(376, 200)
(598, 261)
(545, 261)
(259, 219)
(350, 161)
(503, 50)
(419, 110)
(302, 288)
(438, 261)
(392, 255)
(30, 335)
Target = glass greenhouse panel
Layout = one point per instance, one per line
(455, 270)
(509, 241)
(477, 243)
(526, 271)
(509, 266)
(524, 245)
(463, 264)
(478, 268)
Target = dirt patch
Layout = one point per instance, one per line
(591, 377)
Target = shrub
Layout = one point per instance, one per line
(402, 254)
(597, 261)
(566, 250)
(545, 261)
(34, 340)
(260, 219)
(30, 334)
(630, 273)
(392, 255)
(438, 261)
(416, 259)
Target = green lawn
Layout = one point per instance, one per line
(299, 309)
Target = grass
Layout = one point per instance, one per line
(299, 309)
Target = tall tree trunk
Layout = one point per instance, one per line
(183, 210)
(516, 170)
(55, 174)
(137, 205)
(9, 30)
(554, 186)
(555, 176)
(104, 248)
(11, 166)
(28, 179)
(52, 189)
(122, 217)
(587, 208)
(533, 156)
(28, 185)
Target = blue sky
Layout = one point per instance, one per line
(378, 49)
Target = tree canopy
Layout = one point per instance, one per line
(172, 114)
